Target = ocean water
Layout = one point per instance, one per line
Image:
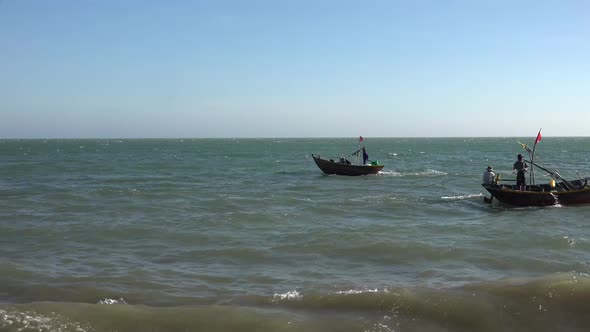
(249, 235)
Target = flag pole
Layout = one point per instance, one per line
(361, 139)
(532, 177)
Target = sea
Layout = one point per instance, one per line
(249, 235)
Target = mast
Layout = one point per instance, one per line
(361, 139)
(532, 177)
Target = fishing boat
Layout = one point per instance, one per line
(558, 191)
(343, 166)
(563, 193)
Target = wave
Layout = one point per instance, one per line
(554, 302)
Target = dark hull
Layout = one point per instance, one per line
(330, 167)
(542, 195)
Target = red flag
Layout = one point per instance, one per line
(361, 138)
(539, 137)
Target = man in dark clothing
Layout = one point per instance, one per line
(365, 156)
(520, 167)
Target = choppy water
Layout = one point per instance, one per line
(249, 235)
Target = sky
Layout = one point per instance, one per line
(293, 68)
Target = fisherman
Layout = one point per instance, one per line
(488, 176)
(365, 156)
(520, 167)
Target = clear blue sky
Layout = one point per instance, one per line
(294, 68)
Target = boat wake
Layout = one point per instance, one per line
(556, 202)
(461, 197)
(389, 173)
(427, 172)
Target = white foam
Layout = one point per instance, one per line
(362, 291)
(556, 201)
(570, 241)
(461, 197)
(32, 321)
(112, 301)
(433, 172)
(428, 172)
(389, 173)
(291, 295)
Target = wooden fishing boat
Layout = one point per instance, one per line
(342, 167)
(563, 193)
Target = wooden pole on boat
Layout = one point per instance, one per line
(568, 186)
(537, 140)
(361, 139)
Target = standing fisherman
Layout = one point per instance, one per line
(365, 156)
(520, 167)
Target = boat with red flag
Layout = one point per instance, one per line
(359, 165)
(558, 191)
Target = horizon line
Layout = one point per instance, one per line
(273, 137)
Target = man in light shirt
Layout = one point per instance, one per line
(488, 176)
